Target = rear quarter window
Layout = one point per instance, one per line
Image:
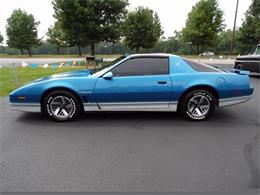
(201, 67)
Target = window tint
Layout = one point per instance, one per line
(201, 67)
(142, 66)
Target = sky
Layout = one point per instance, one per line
(172, 13)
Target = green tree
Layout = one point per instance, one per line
(56, 36)
(21, 30)
(1, 38)
(87, 22)
(142, 29)
(168, 45)
(223, 46)
(204, 23)
(249, 34)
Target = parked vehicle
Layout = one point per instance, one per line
(140, 82)
(249, 62)
(208, 53)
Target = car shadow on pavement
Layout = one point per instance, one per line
(97, 119)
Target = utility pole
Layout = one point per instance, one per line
(234, 30)
(189, 45)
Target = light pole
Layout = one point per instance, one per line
(234, 30)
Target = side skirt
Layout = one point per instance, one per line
(132, 106)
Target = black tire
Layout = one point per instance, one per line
(197, 111)
(239, 67)
(66, 104)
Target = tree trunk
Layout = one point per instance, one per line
(30, 53)
(198, 49)
(22, 51)
(58, 50)
(92, 50)
(137, 49)
(79, 50)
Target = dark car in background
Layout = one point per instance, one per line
(249, 62)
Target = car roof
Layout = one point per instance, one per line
(151, 55)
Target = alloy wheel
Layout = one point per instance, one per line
(199, 106)
(62, 107)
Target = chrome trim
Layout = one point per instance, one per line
(132, 106)
(257, 61)
(173, 106)
(25, 107)
(129, 106)
(91, 107)
(232, 101)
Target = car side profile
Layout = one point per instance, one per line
(208, 53)
(249, 62)
(139, 82)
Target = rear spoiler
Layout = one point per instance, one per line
(241, 72)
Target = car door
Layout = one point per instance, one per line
(137, 83)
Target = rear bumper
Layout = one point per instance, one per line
(25, 107)
(232, 101)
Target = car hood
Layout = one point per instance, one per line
(77, 73)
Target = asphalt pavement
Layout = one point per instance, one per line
(132, 152)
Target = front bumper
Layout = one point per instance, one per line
(25, 107)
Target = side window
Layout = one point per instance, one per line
(257, 50)
(142, 66)
(201, 67)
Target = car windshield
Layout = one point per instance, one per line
(97, 70)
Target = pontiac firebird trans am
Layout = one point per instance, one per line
(139, 82)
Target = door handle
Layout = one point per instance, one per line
(162, 82)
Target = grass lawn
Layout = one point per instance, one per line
(25, 75)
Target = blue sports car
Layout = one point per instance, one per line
(139, 82)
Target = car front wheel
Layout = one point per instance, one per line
(61, 105)
(239, 66)
(198, 105)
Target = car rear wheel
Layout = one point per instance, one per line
(198, 105)
(61, 105)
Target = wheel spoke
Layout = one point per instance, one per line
(194, 101)
(198, 111)
(57, 111)
(202, 99)
(191, 109)
(63, 100)
(65, 112)
(204, 106)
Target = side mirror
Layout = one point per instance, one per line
(108, 75)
